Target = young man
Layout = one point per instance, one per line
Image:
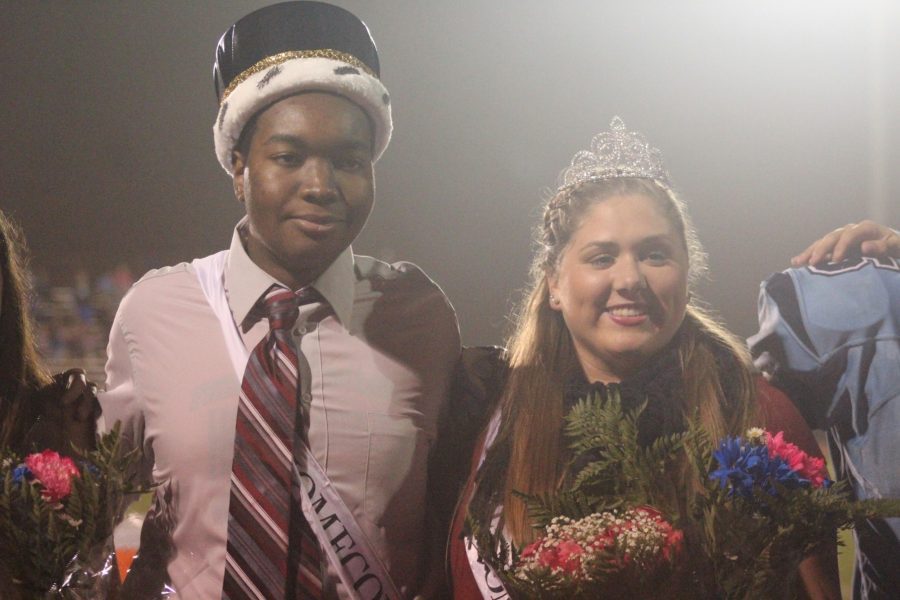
(290, 455)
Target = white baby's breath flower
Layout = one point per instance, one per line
(755, 434)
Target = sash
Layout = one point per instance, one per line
(349, 551)
(486, 578)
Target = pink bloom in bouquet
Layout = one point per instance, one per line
(674, 537)
(567, 556)
(674, 542)
(54, 473)
(564, 556)
(808, 467)
(581, 548)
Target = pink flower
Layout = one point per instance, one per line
(54, 473)
(809, 467)
(568, 556)
(674, 543)
(650, 512)
(530, 549)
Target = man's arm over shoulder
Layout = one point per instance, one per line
(474, 392)
(412, 318)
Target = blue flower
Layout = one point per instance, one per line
(745, 467)
(94, 469)
(22, 472)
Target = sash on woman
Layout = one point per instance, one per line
(489, 583)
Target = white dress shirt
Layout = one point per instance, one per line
(375, 362)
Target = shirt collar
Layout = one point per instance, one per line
(245, 281)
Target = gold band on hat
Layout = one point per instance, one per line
(282, 57)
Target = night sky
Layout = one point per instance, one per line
(778, 121)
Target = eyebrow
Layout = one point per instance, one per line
(609, 245)
(297, 142)
(655, 239)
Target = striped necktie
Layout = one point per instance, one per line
(272, 552)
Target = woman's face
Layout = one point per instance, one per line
(621, 285)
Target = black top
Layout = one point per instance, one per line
(659, 383)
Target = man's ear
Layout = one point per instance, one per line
(238, 164)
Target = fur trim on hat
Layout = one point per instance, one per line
(291, 77)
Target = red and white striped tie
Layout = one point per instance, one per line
(272, 552)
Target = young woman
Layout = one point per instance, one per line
(610, 308)
(37, 411)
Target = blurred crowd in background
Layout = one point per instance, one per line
(73, 320)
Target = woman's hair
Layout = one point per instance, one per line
(20, 367)
(542, 357)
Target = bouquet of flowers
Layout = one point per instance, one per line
(680, 518)
(767, 506)
(575, 555)
(57, 517)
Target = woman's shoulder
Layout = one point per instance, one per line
(478, 381)
(778, 413)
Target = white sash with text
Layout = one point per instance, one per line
(486, 578)
(349, 551)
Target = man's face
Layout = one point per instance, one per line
(307, 184)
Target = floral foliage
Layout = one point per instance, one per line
(763, 462)
(54, 474)
(57, 516)
(732, 520)
(810, 468)
(582, 549)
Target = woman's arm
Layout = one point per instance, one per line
(819, 574)
(819, 571)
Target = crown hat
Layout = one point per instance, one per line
(291, 47)
(613, 154)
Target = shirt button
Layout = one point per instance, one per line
(306, 397)
(301, 331)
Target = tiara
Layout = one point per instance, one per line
(615, 153)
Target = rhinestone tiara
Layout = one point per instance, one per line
(615, 153)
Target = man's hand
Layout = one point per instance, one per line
(866, 238)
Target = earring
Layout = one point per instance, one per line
(554, 300)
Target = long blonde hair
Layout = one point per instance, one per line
(542, 357)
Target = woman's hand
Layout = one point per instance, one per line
(866, 238)
(80, 409)
(68, 410)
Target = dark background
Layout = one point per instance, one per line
(778, 121)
